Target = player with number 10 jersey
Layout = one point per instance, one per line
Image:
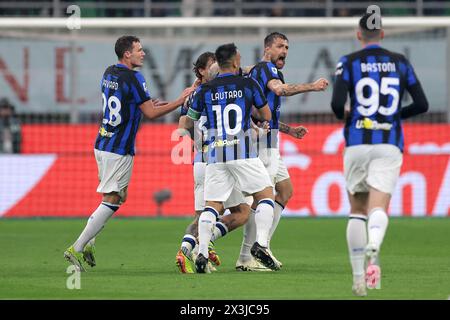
(228, 101)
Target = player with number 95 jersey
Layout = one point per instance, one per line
(376, 80)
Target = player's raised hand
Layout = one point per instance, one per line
(298, 132)
(320, 84)
(185, 94)
(197, 83)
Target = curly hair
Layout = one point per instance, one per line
(202, 62)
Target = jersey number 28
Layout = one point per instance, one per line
(114, 107)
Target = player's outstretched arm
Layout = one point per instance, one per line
(285, 89)
(152, 112)
(297, 132)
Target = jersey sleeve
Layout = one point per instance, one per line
(411, 78)
(342, 72)
(196, 108)
(186, 105)
(268, 72)
(263, 73)
(259, 99)
(413, 86)
(139, 89)
(340, 88)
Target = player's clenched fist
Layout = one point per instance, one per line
(298, 132)
(320, 85)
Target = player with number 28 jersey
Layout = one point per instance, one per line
(123, 91)
(125, 99)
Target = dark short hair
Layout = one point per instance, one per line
(125, 43)
(225, 53)
(202, 61)
(366, 32)
(5, 104)
(269, 39)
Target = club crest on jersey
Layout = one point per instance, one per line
(144, 85)
(274, 70)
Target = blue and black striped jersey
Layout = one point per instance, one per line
(227, 101)
(198, 132)
(263, 72)
(123, 91)
(375, 79)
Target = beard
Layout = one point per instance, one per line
(279, 62)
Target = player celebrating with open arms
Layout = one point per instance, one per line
(269, 76)
(231, 156)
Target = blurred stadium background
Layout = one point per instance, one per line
(51, 102)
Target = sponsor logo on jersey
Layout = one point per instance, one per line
(220, 143)
(105, 133)
(369, 124)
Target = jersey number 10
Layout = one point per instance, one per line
(226, 119)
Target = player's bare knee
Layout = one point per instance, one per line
(192, 228)
(112, 197)
(284, 191)
(284, 196)
(358, 202)
(266, 193)
(218, 206)
(358, 207)
(241, 212)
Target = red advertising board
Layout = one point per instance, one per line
(56, 175)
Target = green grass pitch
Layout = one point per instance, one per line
(135, 260)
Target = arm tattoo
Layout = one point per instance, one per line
(284, 128)
(291, 89)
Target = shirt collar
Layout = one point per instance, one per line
(372, 46)
(225, 75)
(121, 65)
